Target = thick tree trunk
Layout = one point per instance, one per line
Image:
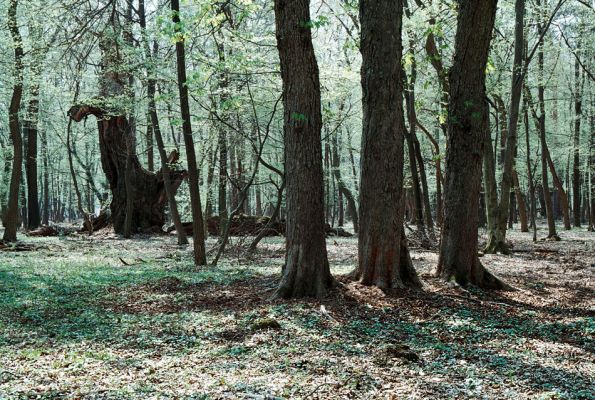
(148, 191)
(467, 126)
(200, 256)
(383, 253)
(11, 216)
(306, 272)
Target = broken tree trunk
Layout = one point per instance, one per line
(148, 190)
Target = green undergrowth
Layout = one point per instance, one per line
(114, 319)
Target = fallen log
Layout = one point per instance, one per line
(251, 225)
(44, 231)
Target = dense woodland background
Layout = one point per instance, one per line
(363, 149)
(234, 92)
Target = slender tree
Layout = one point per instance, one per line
(306, 271)
(497, 232)
(549, 209)
(576, 172)
(200, 256)
(467, 126)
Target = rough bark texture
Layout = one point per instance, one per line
(382, 248)
(148, 190)
(306, 271)
(10, 218)
(467, 126)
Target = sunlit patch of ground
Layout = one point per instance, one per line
(106, 318)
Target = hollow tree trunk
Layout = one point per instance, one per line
(306, 272)
(383, 252)
(467, 125)
(148, 190)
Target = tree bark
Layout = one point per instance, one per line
(200, 256)
(520, 202)
(552, 234)
(343, 189)
(170, 191)
(12, 211)
(30, 130)
(383, 252)
(45, 216)
(497, 236)
(306, 272)
(467, 125)
(576, 172)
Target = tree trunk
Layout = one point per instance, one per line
(467, 126)
(424, 186)
(30, 130)
(343, 189)
(520, 202)
(497, 237)
(306, 272)
(412, 117)
(383, 252)
(11, 216)
(200, 257)
(542, 137)
(170, 191)
(118, 154)
(490, 186)
(532, 201)
(45, 217)
(576, 173)
(592, 164)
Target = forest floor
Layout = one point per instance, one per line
(107, 318)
